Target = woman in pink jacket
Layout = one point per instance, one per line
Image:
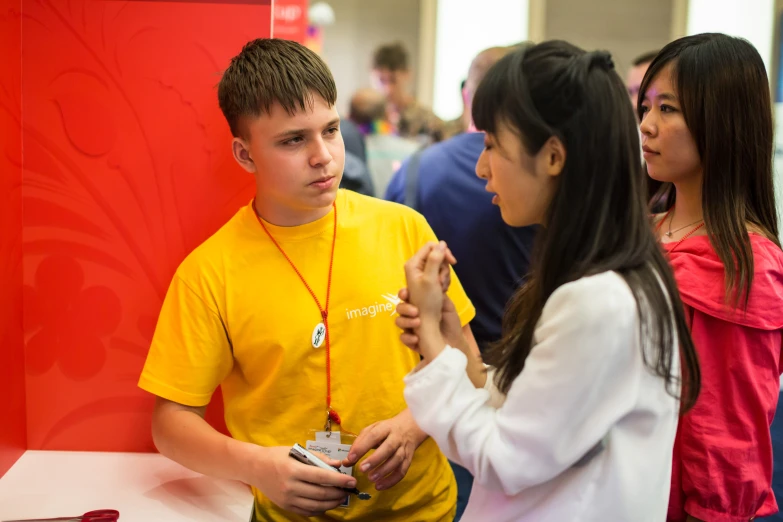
(706, 123)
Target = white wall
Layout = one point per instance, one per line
(754, 20)
(625, 28)
(749, 19)
(463, 29)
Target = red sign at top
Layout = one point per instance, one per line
(290, 20)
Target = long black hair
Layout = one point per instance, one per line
(724, 97)
(597, 220)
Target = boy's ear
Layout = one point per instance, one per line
(241, 152)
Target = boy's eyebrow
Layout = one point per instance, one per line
(297, 132)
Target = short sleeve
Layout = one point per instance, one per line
(190, 353)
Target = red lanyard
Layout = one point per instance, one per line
(331, 415)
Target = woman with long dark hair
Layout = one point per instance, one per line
(576, 417)
(706, 122)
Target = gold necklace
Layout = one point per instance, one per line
(670, 232)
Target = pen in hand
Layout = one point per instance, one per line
(305, 457)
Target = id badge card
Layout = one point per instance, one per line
(334, 445)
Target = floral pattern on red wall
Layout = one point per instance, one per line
(126, 169)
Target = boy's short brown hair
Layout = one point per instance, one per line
(269, 71)
(393, 57)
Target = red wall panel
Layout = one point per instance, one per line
(127, 169)
(12, 399)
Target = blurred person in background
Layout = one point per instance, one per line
(354, 139)
(391, 75)
(461, 123)
(634, 76)
(356, 175)
(385, 150)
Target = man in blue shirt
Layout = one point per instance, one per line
(492, 257)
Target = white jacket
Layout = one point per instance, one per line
(586, 431)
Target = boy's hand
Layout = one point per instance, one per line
(296, 487)
(427, 276)
(408, 321)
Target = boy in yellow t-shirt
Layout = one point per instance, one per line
(290, 307)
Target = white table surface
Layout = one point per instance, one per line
(143, 487)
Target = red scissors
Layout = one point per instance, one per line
(99, 515)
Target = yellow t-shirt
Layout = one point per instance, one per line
(237, 315)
